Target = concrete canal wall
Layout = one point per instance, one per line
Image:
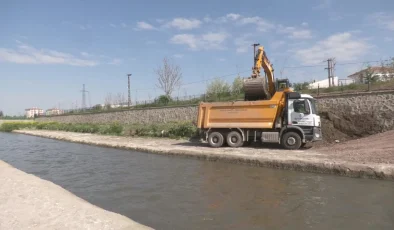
(28, 202)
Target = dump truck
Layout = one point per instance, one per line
(275, 114)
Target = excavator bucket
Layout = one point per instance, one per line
(256, 89)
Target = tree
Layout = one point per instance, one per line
(218, 88)
(369, 76)
(163, 99)
(301, 86)
(169, 77)
(237, 87)
(119, 99)
(108, 101)
(1, 113)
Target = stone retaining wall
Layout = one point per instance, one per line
(358, 113)
(144, 116)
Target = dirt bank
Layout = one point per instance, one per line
(28, 202)
(311, 160)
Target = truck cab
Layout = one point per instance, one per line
(302, 114)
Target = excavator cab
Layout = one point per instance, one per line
(282, 84)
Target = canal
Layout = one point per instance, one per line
(178, 193)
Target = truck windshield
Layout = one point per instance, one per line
(313, 105)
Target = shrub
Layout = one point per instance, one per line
(183, 129)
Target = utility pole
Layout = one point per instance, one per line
(333, 63)
(128, 81)
(330, 72)
(254, 51)
(83, 96)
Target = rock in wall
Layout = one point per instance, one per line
(360, 114)
(140, 116)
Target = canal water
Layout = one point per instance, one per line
(178, 193)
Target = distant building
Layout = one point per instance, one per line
(54, 111)
(383, 74)
(31, 112)
(325, 84)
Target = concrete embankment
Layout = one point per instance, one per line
(309, 160)
(28, 202)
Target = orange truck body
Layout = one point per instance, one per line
(240, 114)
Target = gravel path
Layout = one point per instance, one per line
(338, 159)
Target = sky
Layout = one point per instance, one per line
(49, 49)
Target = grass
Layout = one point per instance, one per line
(176, 130)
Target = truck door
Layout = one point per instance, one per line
(299, 112)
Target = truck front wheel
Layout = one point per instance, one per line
(291, 140)
(215, 139)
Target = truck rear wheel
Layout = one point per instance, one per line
(215, 139)
(291, 140)
(234, 139)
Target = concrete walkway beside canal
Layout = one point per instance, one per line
(28, 202)
(349, 163)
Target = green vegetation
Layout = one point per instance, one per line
(177, 130)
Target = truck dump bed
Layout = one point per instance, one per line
(239, 114)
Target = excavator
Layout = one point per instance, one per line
(257, 87)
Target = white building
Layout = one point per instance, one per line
(31, 112)
(325, 84)
(53, 111)
(381, 73)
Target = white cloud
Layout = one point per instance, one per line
(112, 25)
(26, 54)
(388, 39)
(262, 24)
(207, 19)
(221, 59)
(233, 16)
(228, 17)
(304, 24)
(243, 43)
(124, 25)
(115, 61)
(144, 26)
(204, 41)
(382, 20)
(342, 46)
(295, 33)
(184, 23)
(301, 34)
(185, 39)
(85, 54)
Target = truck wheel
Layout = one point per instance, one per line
(291, 140)
(234, 139)
(215, 139)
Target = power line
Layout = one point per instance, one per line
(322, 65)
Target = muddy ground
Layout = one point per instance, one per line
(378, 148)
